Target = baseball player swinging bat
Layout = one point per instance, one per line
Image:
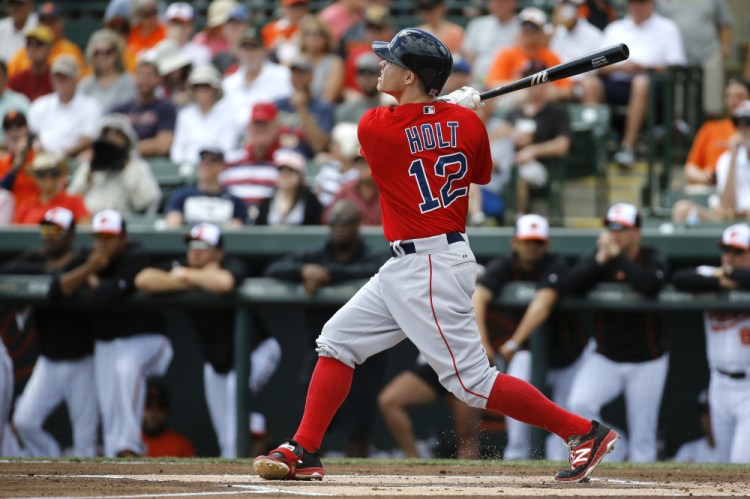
(594, 60)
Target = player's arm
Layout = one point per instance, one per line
(698, 280)
(536, 314)
(583, 275)
(649, 279)
(740, 276)
(211, 278)
(481, 299)
(153, 280)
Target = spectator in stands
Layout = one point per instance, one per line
(36, 80)
(418, 385)
(631, 354)
(208, 269)
(51, 16)
(212, 36)
(573, 37)
(180, 16)
(9, 99)
(160, 439)
(538, 128)
(363, 193)
(433, 14)
(655, 43)
(713, 137)
(509, 63)
(16, 177)
(342, 14)
(116, 176)
(727, 344)
(207, 200)
(343, 257)
(376, 25)
(485, 36)
(304, 116)
(281, 36)
(598, 12)
(64, 370)
(65, 120)
(127, 349)
(337, 168)
(152, 117)
(49, 174)
(700, 450)
(207, 121)
(174, 69)
(146, 29)
(117, 19)
(293, 203)
(317, 46)
(20, 18)
(256, 80)
(706, 28)
(110, 84)
(530, 260)
(368, 71)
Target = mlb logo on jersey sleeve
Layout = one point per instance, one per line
(428, 110)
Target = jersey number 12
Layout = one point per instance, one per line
(447, 193)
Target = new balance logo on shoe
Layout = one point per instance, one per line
(586, 451)
(580, 456)
(289, 461)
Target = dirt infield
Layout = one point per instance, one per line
(141, 479)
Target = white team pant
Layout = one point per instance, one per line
(729, 403)
(53, 382)
(121, 367)
(600, 380)
(425, 297)
(6, 391)
(221, 392)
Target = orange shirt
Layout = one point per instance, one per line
(509, 64)
(24, 188)
(137, 41)
(32, 211)
(168, 444)
(21, 61)
(710, 143)
(277, 31)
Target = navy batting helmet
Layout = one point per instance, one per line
(420, 52)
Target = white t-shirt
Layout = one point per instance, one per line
(655, 42)
(199, 54)
(59, 126)
(12, 40)
(569, 44)
(272, 83)
(195, 130)
(741, 177)
(485, 36)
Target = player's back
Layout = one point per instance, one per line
(423, 158)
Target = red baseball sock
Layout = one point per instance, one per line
(520, 400)
(328, 389)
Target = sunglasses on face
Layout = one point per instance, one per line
(51, 172)
(742, 121)
(148, 12)
(11, 126)
(49, 229)
(732, 250)
(104, 52)
(105, 236)
(32, 43)
(345, 221)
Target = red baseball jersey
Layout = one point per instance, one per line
(423, 158)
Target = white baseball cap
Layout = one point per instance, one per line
(207, 234)
(62, 217)
(532, 228)
(622, 216)
(736, 236)
(534, 16)
(180, 11)
(291, 159)
(108, 222)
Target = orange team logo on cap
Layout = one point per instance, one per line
(534, 225)
(47, 8)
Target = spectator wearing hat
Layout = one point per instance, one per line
(9, 99)
(376, 25)
(35, 80)
(505, 334)
(281, 35)
(732, 178)
(174, 69)
(293, 203)
(152, 117)
(256, 80)
(50, 15)
(64, 120)
(341, 15)
(303, 115)
(727, 344)
(146, 29)
(598, 12)
(486, 35)
(317, 46)
(17, 183)
(116, 176)
(207, 200)
(631, 354)
(117, 18)
(206, 121)
(64, 369)
(180, 26)
(49, 174)
(110, 83)
(703, 449)
(337, 168)
(20, 18)
(160, 438)
(213, 37)
(251, 174)
(208, 269)
(363, 193)
(367, 94)
(433, 14)
(128, 347)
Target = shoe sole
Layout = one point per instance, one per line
(270, 469)
(604, 449)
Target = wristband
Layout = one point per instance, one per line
(512, 345)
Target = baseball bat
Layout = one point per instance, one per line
(594, 60)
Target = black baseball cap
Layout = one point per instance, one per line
(14, 117)
(212, 153)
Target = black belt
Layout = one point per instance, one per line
(409, 248)
(737, 375)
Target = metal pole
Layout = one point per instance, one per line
(539, 358)
(242, 333)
